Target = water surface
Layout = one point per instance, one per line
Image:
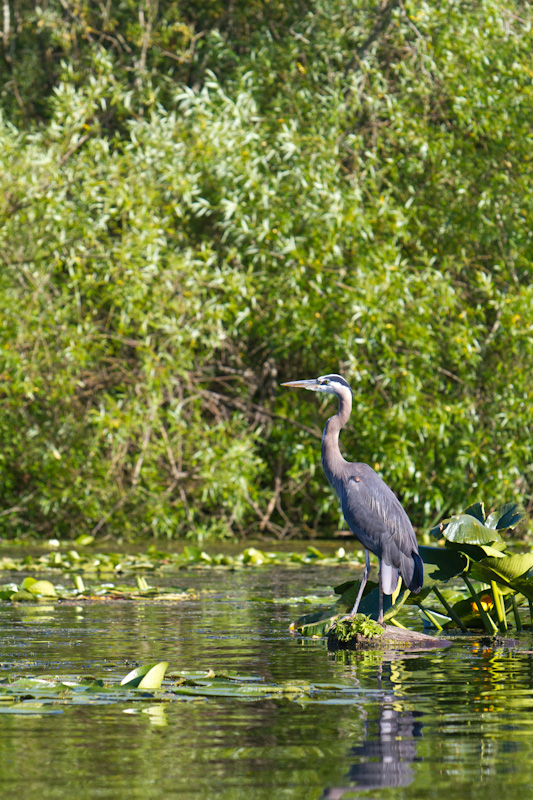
(439, 724)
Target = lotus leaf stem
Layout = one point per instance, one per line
(449, 610)
(488, 623)
(518, 621)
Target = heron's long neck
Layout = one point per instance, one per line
(332, 460)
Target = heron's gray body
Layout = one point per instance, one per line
(373, 512)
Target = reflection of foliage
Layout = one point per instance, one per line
(199, 197)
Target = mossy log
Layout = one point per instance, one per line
(391, 638)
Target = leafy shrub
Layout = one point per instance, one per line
(336, 191)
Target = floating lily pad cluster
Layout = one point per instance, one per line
(31, 590)
(150, 683)
(72, 560)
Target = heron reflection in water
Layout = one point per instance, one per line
(373, 512)
(385, 757)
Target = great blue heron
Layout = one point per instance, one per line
(373, 512)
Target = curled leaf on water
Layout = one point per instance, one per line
(149, 676)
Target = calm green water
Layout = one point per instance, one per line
(445, 724)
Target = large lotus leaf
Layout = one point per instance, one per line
(508, 516)
(466, 529)
(441, 564)
(476, 510)
(475, 552)
(523, 585)
(510, 567)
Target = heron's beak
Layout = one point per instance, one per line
(311, 384)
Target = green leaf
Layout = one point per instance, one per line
(510, 567)
(441, 564)
(476, 510)
(508, 516)
(84, 539)
(313, 552)
(466, 529)
(149, 676)
(475, 552)
(43, 588)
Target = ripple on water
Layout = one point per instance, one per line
(444, 723)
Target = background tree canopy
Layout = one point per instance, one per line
(199, 200)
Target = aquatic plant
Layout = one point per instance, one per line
(476, 549)
(349, 628)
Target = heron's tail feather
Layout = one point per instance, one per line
(412, 571)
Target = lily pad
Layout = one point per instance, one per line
(42, 588)
(149, 676)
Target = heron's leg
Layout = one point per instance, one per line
(380, 583)
(364, 579)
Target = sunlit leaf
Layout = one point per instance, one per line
(506, 517)
(464, 528)
(476, 510)
(149, 676)
(510, 567)
(43, 588)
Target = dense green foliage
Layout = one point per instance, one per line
(198, 200)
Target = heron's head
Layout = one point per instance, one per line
(331, 384)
